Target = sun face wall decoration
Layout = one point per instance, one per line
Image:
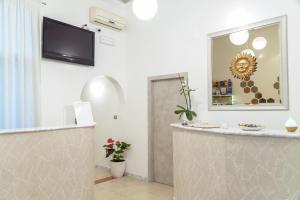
(243, 66)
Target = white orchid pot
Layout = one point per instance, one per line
(185, 121)
(117, 169)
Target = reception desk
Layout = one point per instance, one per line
(47, 163)
(230, 164)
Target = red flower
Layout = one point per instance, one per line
(110, 146)
(110, 141)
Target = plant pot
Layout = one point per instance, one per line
(185, 121)
(117, 169)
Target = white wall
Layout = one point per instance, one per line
(176, 40)
(62, 82)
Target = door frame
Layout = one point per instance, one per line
(152, 79)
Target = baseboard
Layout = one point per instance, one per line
(137, 177)
(103, 180)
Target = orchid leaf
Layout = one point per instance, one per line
(183, 108)
(177, 112)
(194, 113)
(189, 115)
(180, 115)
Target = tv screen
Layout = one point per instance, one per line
(69, 43)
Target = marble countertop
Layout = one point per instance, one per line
(237, 131)
(43, 129)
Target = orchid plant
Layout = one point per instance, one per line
(116, 149)
(187, 109)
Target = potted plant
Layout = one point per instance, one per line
(116, 149)
(187, 108)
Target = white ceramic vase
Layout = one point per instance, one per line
(185, 121)
(117, 169)
(291, 125)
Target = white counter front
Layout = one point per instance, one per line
(48, 163)
(229, 164)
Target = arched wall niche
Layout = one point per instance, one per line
(107, 100)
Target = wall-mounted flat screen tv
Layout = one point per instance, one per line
(69, 43)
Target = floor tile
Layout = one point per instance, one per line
(128, 188)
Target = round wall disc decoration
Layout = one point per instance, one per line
(243, 66)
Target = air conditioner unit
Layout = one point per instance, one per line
(106, 18)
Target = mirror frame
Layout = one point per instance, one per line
(282, 20)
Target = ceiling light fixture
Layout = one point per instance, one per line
(239, 38)
(144, 9)
(259, 43)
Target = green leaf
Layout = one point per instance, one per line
(194, 113)
(180, 115)
(124, 145)
(183, 108)
(177, 112)
(119, 151)
(189, 115)
(109, 152)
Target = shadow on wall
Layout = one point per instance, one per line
(107, 100)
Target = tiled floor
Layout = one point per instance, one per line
(128, 188)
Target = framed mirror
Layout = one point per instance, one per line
(248, 67)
